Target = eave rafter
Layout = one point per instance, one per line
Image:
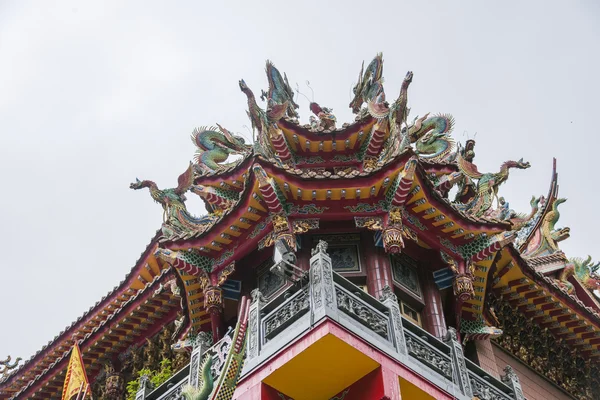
(537, 298)
(305, 143)
(114, 333)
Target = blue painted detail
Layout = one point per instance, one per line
(443, 278)
(378, 239)
(232, 289)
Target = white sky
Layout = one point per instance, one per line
(93, 95)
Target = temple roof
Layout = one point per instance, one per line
(113, 325)
(386, 174)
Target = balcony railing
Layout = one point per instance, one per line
(274, 325)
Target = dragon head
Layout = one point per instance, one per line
(469, 150)
(166, 255)
(431, 137)
(243, 87)
(315, 108)
(587, 272)
(138, 184)
(522, 164)
(407, 79)
(559, 201)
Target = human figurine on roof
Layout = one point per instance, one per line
(504, 212)
(326, 118)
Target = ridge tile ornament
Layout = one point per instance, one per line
(7, 368)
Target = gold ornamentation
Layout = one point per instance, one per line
(280, 223)
(267, 241)
(213, 299)
(450, 261)
(392, 239)
(463, 287)
(304, 225)
(225, 272)
(409, 233)
(370, 163)
(371, 223)
(395, 216)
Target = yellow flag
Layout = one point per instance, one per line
(76, 378)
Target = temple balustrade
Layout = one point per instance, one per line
(324, 294)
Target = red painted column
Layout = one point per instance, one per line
(433, 313)
(303, 255)
(379, 272)
(213, 302)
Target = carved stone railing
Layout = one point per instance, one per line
(326, 294)
(191, 374)
(286, 313)
(434, 357)
(273, 325)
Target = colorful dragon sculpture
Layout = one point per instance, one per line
(518, 221)
(370, 83)
(215, 145)
(8, 367)
(487, 184)
(395, 115)
(399, 109)
(263, 122)
(280, 92)
(176, 218)
(379, 109)
(545, 240)
(431, 137)
(222, 386)
(479, 329)
(582, 270)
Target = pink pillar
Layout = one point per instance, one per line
(391, 384)
(379, 273)
(433, 313)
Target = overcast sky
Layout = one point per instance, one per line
(94, 95)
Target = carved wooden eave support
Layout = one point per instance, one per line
(393, 228)
(211, 283)
(282, 228)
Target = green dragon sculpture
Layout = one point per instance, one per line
(545, 241)
(479, 329)
(487, 184)
(582, 270)
(280, 92)
(176, 218)
(370, 83)
(519, 220)
(222, 386)
(215, 145)
(208, 383)
(438, 124)
(435, 146)
(431, 137)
